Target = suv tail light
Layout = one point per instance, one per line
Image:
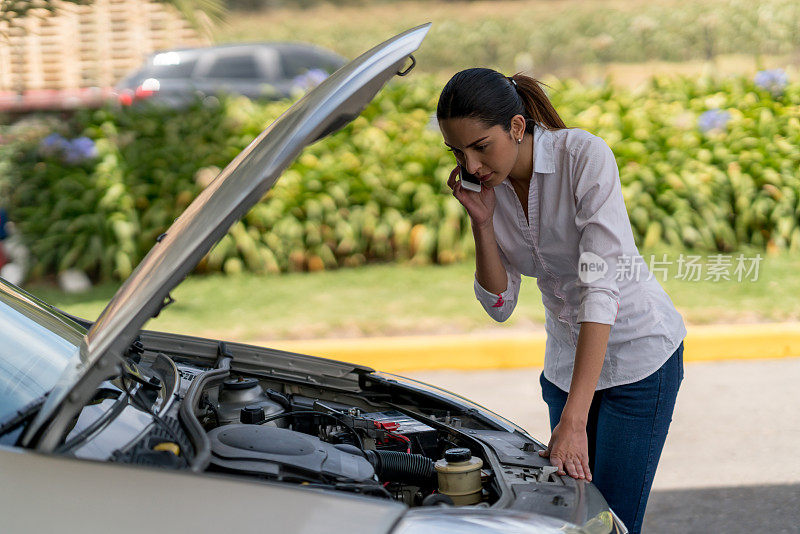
(146, 89)
(141, 93)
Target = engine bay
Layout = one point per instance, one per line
(279, 433)
(281, 418)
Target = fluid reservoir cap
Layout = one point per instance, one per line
(240, 383)
(251, 415)
(457, 455)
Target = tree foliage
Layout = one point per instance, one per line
(14, 10)
(11, 10)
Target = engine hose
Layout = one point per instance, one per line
(280, 398)
(396, 466)
(186, 413)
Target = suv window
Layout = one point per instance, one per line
(297, 62)
(241, 66)
(170, 67)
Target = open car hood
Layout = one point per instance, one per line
(325, 109)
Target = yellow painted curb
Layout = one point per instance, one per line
(497, 351)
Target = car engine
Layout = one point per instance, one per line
(322, 443)
(281, 418)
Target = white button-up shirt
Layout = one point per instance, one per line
(580, 248)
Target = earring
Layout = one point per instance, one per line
(519, 141)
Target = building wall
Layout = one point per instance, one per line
(88, 45)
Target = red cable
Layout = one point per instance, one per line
(402, 438)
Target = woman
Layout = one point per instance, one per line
(551, 207)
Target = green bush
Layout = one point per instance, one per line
(712, 191)
(376, 191)
(102, 214)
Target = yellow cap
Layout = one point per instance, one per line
(169, 447)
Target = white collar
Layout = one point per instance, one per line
(543, 150)
(543, 161)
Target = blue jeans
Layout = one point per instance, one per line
(626, 429)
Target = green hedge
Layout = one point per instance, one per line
(376, 191)
(712, 191)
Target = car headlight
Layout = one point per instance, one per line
(484, 521)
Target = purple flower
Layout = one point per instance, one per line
(713, 119)
(52, 145)
(774, 81)
(79, 149)
(71, 151)
(309, 79)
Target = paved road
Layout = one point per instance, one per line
(732, 459)
(764, 508)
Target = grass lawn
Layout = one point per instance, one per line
(401, 299)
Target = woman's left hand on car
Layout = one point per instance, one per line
(568, 450)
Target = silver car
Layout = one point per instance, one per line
(108, 427)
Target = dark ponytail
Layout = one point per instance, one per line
(492, 98)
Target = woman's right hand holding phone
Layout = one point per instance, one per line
(479, 206)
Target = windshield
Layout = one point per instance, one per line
(35, 346)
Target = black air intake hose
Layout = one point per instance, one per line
(392, 466)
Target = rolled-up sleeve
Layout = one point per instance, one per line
(500, 306)
(601, 220)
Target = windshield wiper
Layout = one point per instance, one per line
(116, 408)
(24, 413)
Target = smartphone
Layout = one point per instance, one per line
(469, 181)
